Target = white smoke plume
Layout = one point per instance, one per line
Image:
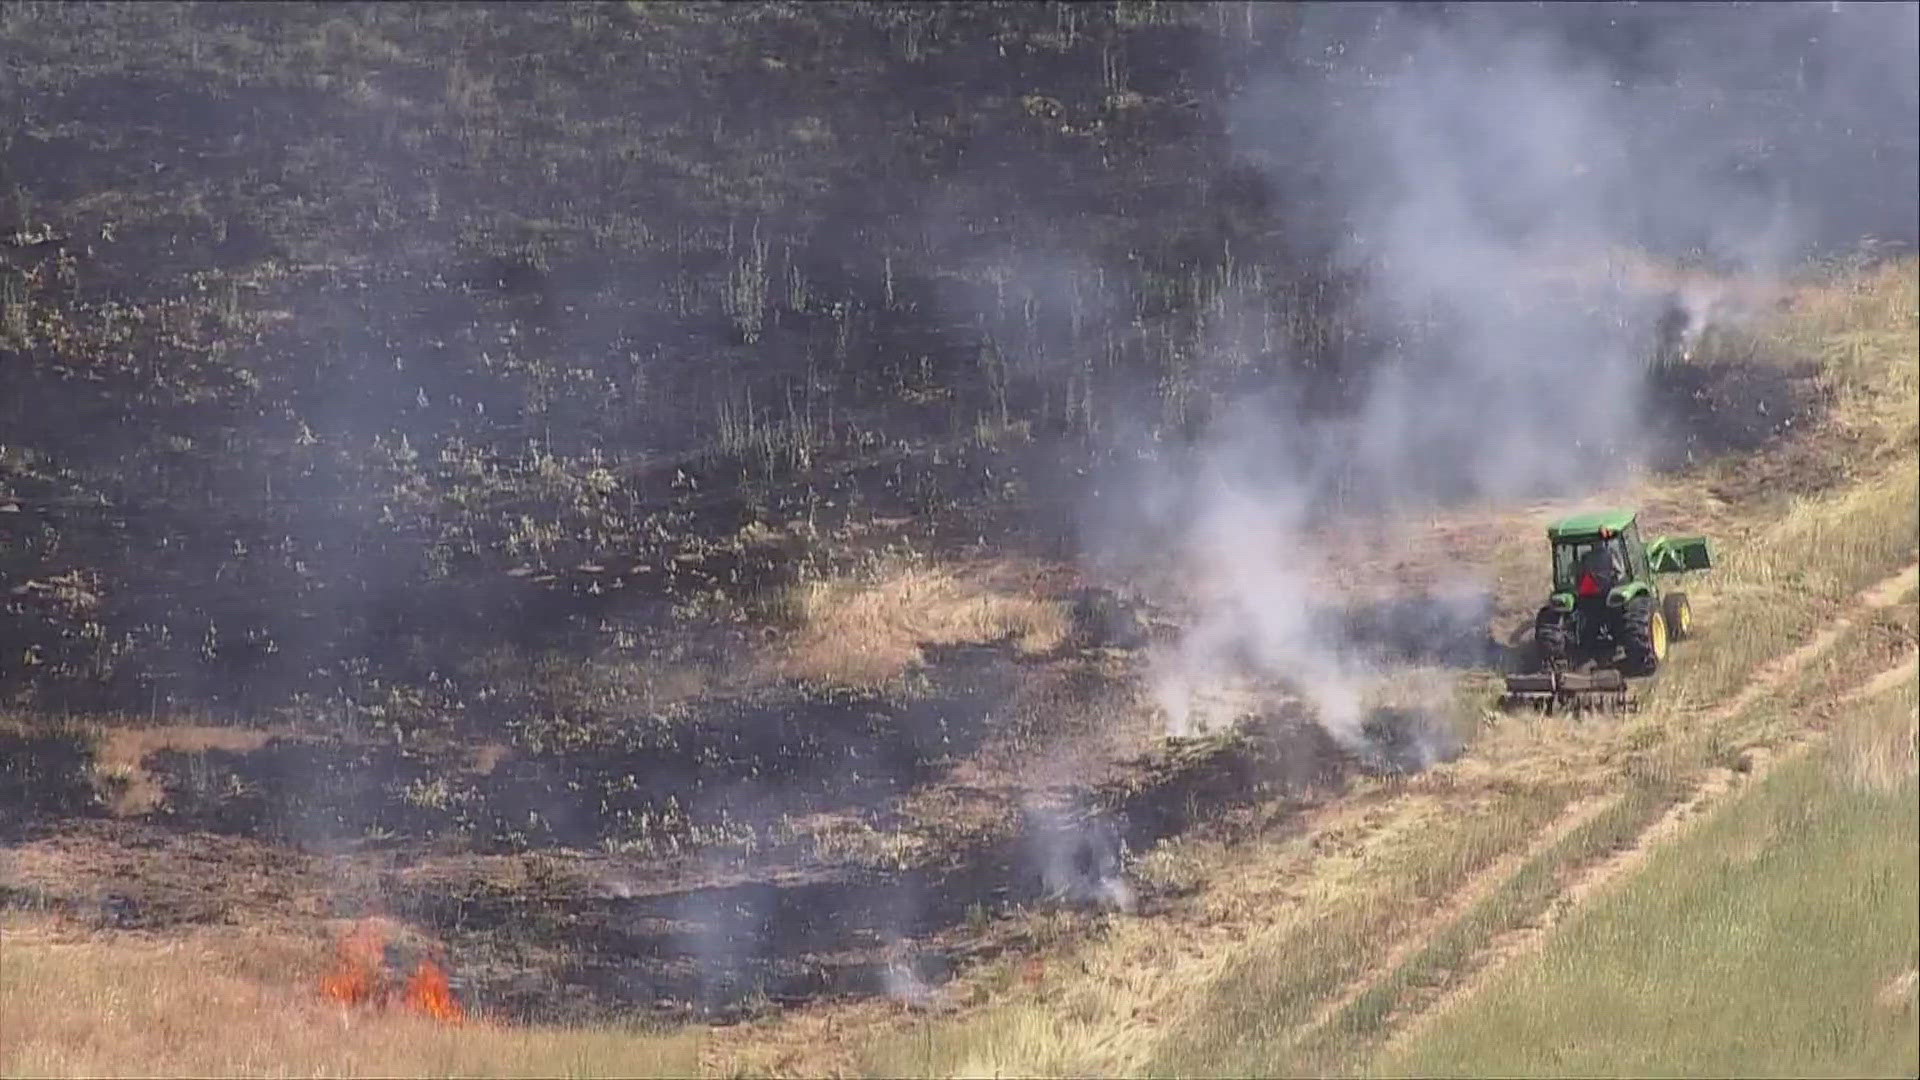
(905, 986)
(1486, 176)
(1080, 857)
(1250, 576)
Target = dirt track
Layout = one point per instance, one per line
(1708, 792)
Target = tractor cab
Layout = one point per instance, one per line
(1595, 553)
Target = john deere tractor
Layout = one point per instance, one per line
(1607, 617)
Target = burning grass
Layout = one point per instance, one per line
(363, 976)
(226, 1002)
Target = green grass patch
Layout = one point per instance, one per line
(1450, 956)
(1773, 941)
(1255, 1007)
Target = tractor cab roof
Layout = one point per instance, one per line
(1592, 523)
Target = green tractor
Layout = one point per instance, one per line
(1608, 617)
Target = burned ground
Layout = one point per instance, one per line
(573, 919)
(1730, 405)
(719, 769)
(441, 396)
(46, 776)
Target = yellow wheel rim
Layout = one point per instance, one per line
(1685, 614)
(1659, 627)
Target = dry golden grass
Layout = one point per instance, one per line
(120, 757)
(228, 1003)
(1880, 752)
(866, 631)
(1863, 328)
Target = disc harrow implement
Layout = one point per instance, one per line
(1604, 690)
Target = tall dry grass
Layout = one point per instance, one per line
(1785, 580)
(222, 1002)
(869, 629)
(1864, 329)
(1788, 581)
(1880, 751)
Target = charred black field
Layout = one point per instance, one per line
(672, 501)
(829, 849)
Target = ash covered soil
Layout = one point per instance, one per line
(767, 847)
(862, 866)
(432, 435)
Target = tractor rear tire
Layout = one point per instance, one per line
(1643, 635)
(1550, 636)
(1679, 615)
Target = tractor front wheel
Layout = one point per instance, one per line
(1643, 636)
(1679, 615)
(1550, 629)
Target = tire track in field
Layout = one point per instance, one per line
(1198, 955)
(1766, 679)
(1904, 672)
(1481, 885)
(1756, 763)
(1771, 674)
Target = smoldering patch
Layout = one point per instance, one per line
(1450, 628)
(916, 980)
(1385, 720)
(1401, 740)
(1080, 858)
(1198, 703)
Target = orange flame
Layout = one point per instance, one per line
(360, 977)
(356, 975)
(429, 993)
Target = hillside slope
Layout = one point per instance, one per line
(836, 537)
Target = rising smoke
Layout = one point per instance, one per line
(1497, 173)
(1081, 857)
(1475, 168)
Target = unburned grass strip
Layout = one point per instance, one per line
(1463, 947)
(1659, 778)
(1779, 938)
(1269, 994)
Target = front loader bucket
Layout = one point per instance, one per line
(1602, 688)
(1679, 554)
